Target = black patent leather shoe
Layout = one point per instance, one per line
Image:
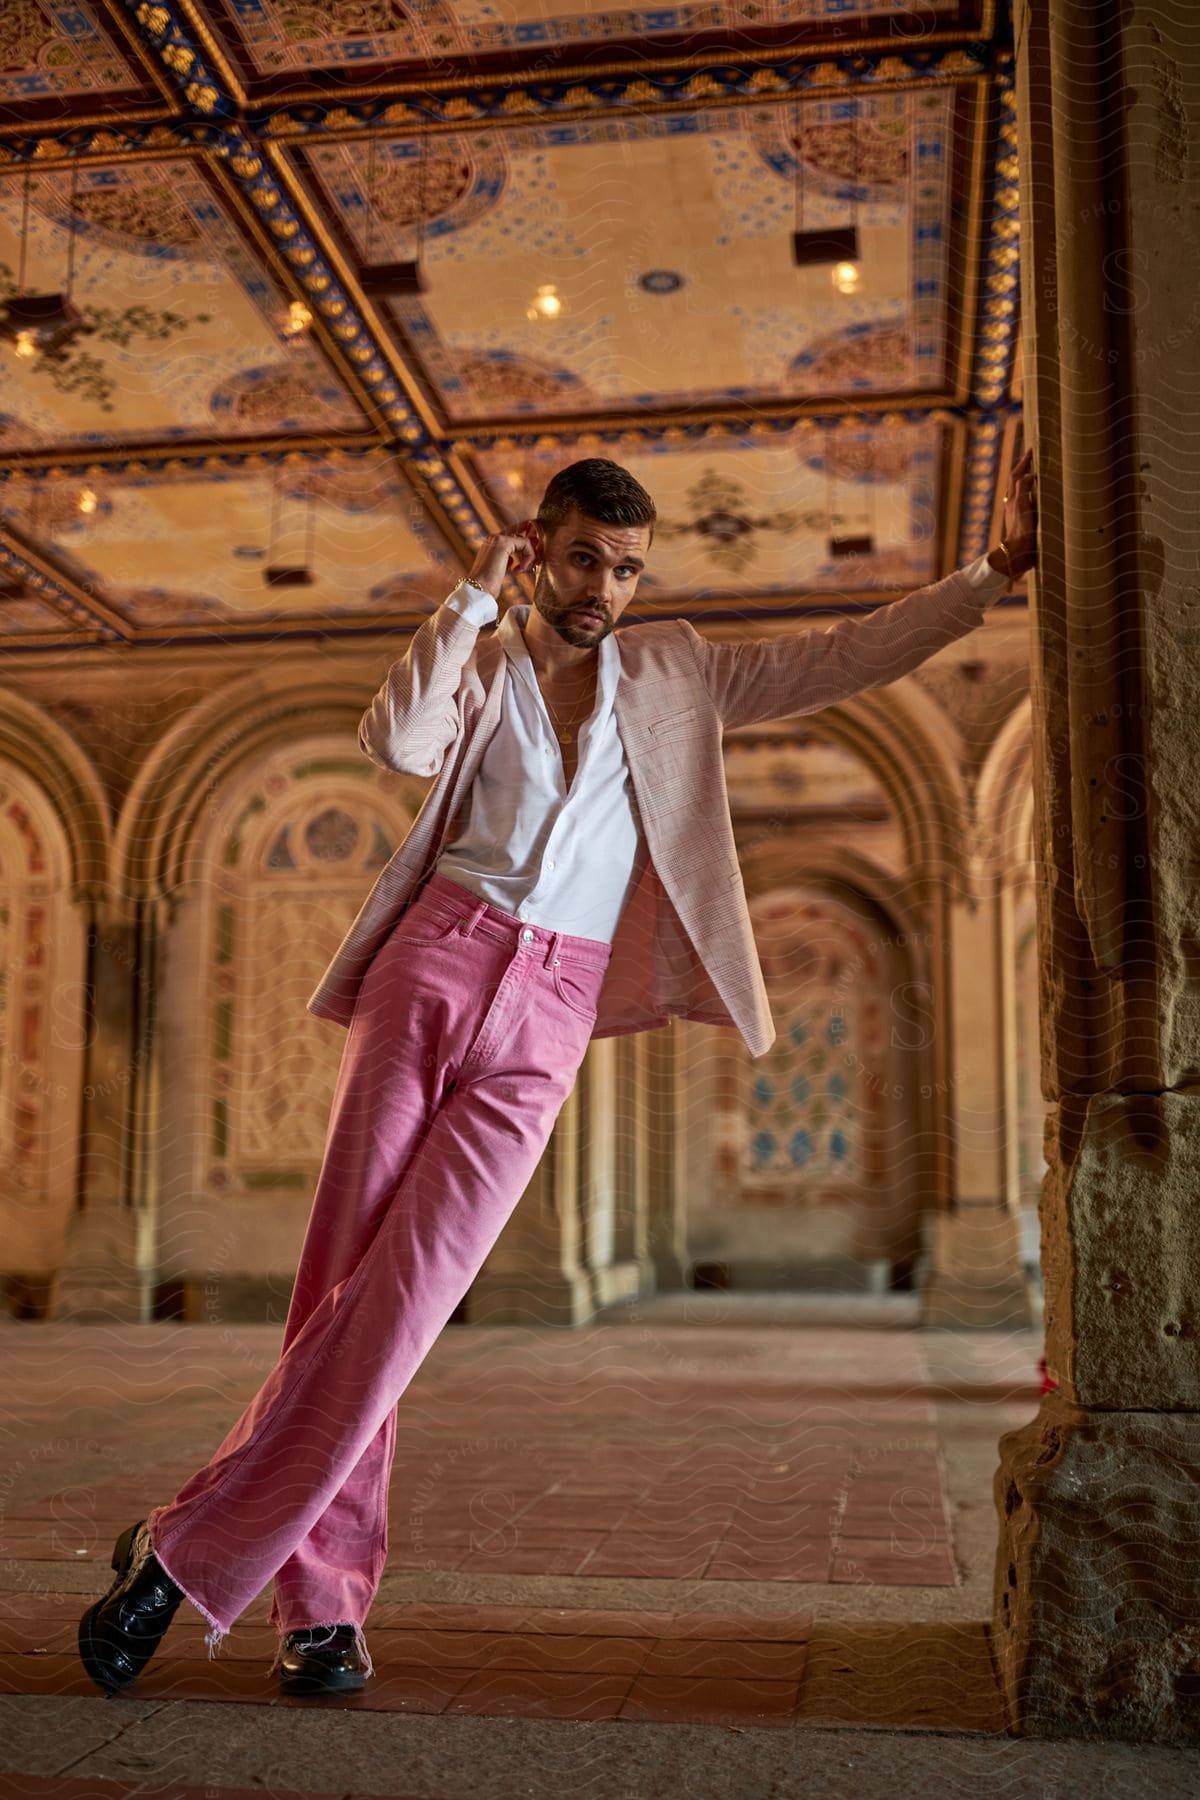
(121, 1632)
(320, 1662)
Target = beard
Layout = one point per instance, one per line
(571, 629)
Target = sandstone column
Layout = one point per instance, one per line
(632, 1158)
(108, 1268)
(614, 1272)
(1097, 1621)
(975, 1277)
(666, 1226)
(535, 1273)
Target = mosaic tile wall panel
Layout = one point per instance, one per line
(307, 834)
(808, 1109)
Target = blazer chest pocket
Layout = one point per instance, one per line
(672, 724)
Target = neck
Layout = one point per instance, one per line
(551, 656)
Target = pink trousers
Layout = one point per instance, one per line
(465, 1042)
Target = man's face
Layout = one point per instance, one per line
(589, 574)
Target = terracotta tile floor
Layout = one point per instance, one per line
(722, 1483)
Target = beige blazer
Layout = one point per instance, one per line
(684, 945)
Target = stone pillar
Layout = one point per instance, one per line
(108, 1267)
(976, 1278)
(666, 1225)
(577, 1240)
(632, 1198)
(615, 1273)
(535, 1273)
(1098, 1571)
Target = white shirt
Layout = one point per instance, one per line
(567, 861)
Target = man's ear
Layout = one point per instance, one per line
(537, 537)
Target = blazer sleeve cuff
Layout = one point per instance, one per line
(473, 603)
(990, 582)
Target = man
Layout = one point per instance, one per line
(571, 874)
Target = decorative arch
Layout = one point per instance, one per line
(900, 738)
(920, 778)
(775, 865)
(805, 1140)
(166, 805)
(44, 1023)
(287, 853)
(61, 771)
(257, 829)
(54, 837)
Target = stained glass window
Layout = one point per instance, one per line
(804, 1107)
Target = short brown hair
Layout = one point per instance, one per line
(601, 489)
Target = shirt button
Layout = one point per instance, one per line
(527, 937)
(550, 864)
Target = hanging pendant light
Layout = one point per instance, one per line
(43, 324)
(393, 280)
(281, 574)
(826, 244)
(847, 544)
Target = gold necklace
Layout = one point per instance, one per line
(561, 731)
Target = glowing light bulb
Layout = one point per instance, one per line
(546, 303)
(845, 277)
(89, 500)
(299, 319)
(26, 343)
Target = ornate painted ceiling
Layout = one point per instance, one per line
(265, 425)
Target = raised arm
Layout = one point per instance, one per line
(775, 678)
(414, 719)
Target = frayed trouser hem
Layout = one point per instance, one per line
(216, 1634)
(359, 1640)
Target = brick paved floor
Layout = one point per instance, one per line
(697, 1511)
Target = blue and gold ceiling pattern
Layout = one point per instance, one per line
(265, 423)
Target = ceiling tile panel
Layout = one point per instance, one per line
(601, 202)
(635, 264)
(190, 546)
(31, 617)
(297, 37)
(739, 517)
(188, 337)
(54, 53)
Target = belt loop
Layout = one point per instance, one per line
(473, 921)
(552, 950)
